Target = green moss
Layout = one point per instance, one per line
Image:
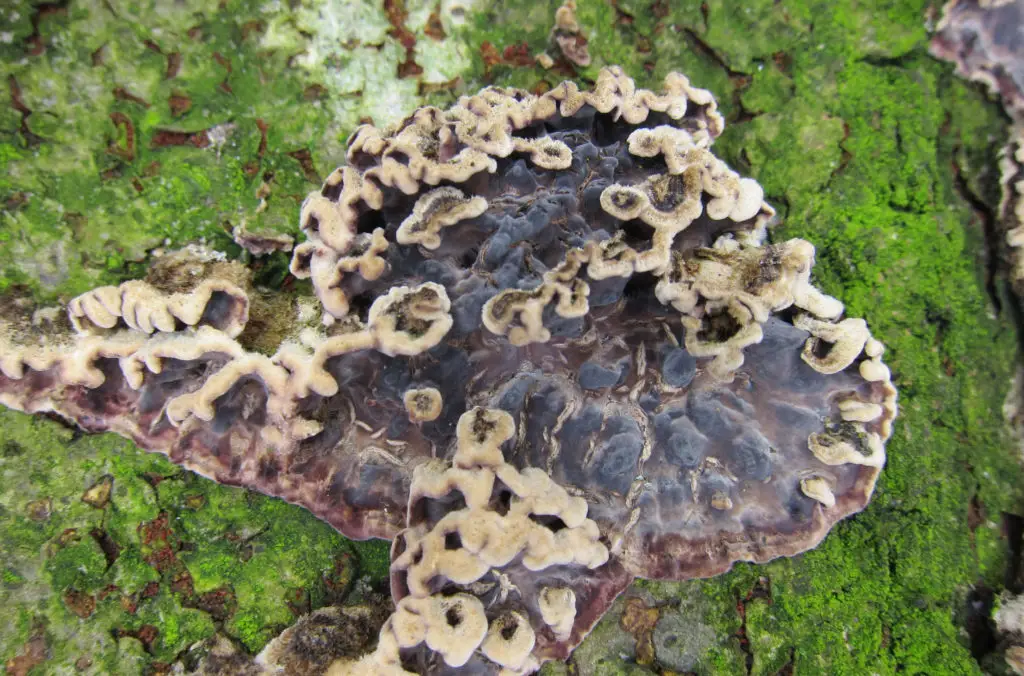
(80, 565)
(128, 657)
(131, 573)
(211, 565)
(178, 627)
(263, 552)
(767, 643)
(610, 649)
(132, 502)
(374, 557)
(251, 630)
(11, 577)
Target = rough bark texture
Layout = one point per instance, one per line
(128, 126)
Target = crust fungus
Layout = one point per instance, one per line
(1011, 206)
(982, 39)
(818, 488)
(558, 610)
(557, 353)
(485, 534)
(509, 642)
(410, 320)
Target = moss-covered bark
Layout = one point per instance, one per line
(126, 126)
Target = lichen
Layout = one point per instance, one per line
(130, 115)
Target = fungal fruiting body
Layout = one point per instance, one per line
(555, 354)
(983, 39)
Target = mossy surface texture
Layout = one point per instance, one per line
(127, 126)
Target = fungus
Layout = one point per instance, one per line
(545, 152)
(555, 354)
(477, 524)
(818, 488)
(558, 609)
(520, 314)
(409, 320)
(435, 210)
(833, 346)
(509, 641)
(1011, 207)
(982, 39)
(207, 289)
(423, 405)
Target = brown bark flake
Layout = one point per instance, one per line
(32, 654)
(79, 603)
(127, 151)
(179, 104)
(639, 620)
(166, 137)
(173, 65)
(397, 15)
(122, 94)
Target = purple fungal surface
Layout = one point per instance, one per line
(984, 40)
(552, 351)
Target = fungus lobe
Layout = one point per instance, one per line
(555, 353)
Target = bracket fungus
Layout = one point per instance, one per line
(557, 354)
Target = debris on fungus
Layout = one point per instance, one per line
(556, 354)
(260, 243)
(567, 36)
